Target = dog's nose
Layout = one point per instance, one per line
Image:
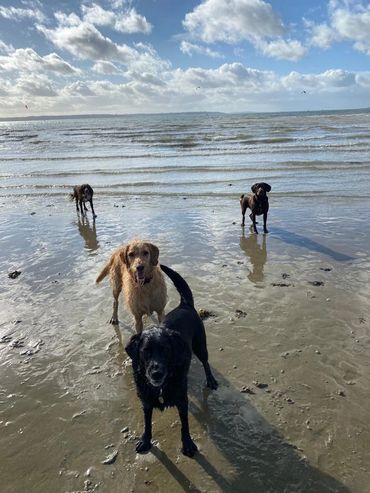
(140, 268)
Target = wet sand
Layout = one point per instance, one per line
(289, 345)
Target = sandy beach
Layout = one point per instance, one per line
(288, 343)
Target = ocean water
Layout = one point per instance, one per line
(200, 155)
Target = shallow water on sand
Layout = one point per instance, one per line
(67, 393)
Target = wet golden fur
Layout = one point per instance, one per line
(134, 268)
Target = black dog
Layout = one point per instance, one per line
(258, 203)
(83, 193)
(161, 358)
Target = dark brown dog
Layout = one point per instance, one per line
(258, 203)
(83, 193)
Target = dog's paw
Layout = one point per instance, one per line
(188, 447)
(143, 445)
(212, 382)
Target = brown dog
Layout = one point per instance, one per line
(258, 203)
(134, 267)
(83, 193)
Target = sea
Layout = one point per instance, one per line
(306, 154)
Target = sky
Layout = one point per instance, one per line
(67, 57)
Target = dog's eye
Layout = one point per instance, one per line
(131, 254)
(145, 253)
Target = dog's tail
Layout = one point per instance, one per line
(104, 272)
(181, 285)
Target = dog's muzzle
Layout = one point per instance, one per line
(156, 375)
(140, 274)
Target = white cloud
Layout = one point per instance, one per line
(231, 21)
(326, 81)
(348, 21)
(84, 41)
(4, 48)
(323, 36)
(28, 60)
(354, 26)
(283, 50)
(35, 85)
(126, 22)
(77, 88)
(107, 68)
(17, 14)
(190, 48)
(230, 87)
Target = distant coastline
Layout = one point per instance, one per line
(121, 115)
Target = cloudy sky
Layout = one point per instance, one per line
(143, 56)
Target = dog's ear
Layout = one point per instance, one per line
(132, 348)
(266, 187)
(154, 253)
(254, 187)
(123, 254)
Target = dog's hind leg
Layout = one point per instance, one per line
(188, 446)
(144, 444)
(244, 208)
(199, 346)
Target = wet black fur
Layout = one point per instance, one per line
(171, 345)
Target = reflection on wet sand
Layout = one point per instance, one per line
(88, 233)
(256, 253)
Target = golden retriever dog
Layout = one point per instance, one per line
(134, 268)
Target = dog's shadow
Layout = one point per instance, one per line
(88, 232)
(257, 254)
(302, 241)
(261, 459)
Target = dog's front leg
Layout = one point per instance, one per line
(253, 217)
(144, 444)
(92, 208)
(139, 323)
(188, 446)
(265, 222)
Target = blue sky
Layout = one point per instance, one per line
(143, 56)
